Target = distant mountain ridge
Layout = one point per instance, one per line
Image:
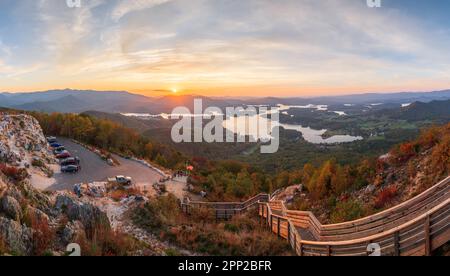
(78, 101)
(419, 111)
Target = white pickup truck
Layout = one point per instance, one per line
(120, 179)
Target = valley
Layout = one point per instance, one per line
(211, 131)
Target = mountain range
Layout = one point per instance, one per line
(77, 101)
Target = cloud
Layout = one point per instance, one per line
(127, 6)
(152, 44)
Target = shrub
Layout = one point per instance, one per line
(231, 227)
(347, 211)
(241, 236)
(385, 197)
(102, 241)
(158, 213)
(43, 235)
(37, 163)
(13, 172)
(171, 252)
(301, 204)
(3, 246)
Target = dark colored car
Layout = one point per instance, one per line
(70, 161)
(51, 139)
(63, 155)
(55, 145)
(59, 150)
(70, 169)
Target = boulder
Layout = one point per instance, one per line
(72, 231)
(11, 207)
(38, 214)
(370, 189)
(90, 215)
(18, 237)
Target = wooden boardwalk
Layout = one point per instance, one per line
(415, 227)
(225, 210)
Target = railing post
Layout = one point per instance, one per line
(271, 223)
(261, 214)
(295, 244)
(328, 250)
(289, 232)
(278, 227)
(301, 249)
(427, 237)
(397, 244)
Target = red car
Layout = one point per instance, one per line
(63, 155)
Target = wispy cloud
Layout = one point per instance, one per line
(150, 45)
(128, 6)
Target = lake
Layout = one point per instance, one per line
(239, 125)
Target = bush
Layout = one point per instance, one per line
(240, 237)
(198, 232)
(3, 246)
(385, 197)
(13, 172)
(121, 193)
(158, 213)
(37, 163)
(103, 241)
(347, 211)
(301, 204)
(43, 235)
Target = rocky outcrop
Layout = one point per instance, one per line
(3, 187)
(90, 215)
(72, 232)
(17, 236)
(11, 208)
(32, 221)
(37, 215)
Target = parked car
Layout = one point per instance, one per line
(59, 150)
(70, 161)
(70, 169)
(63, 155)
(51, 139)
(55, 145)
(120, 179)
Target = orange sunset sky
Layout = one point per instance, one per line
(224, 47)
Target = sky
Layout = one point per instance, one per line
(225, 47)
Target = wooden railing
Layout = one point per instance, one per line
(224, 210)
(415, 227)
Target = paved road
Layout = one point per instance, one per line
(93, 168)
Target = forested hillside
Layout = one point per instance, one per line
(343, 193)
(110, 136)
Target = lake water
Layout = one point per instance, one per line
(240, 125)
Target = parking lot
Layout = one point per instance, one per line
(93, 168)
